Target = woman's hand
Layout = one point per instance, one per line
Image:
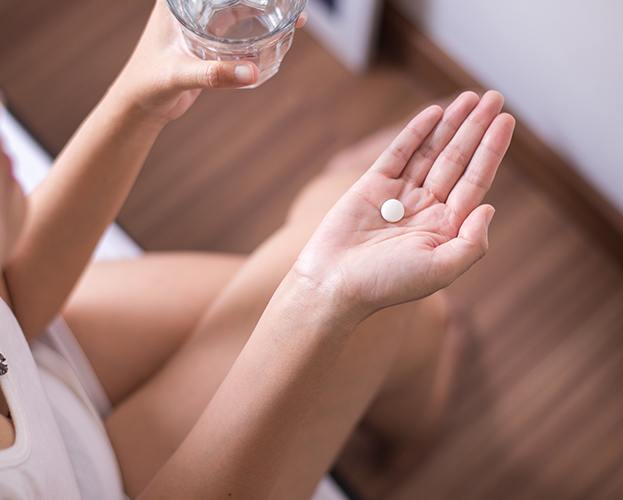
(162, 79)
(440, 167)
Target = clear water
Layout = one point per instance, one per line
(260, 31)
(235, 19)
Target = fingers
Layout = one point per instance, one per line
(302, 20)
(456, 256)
(197, 74)
(394, 159)
(423, 159)
(453, 160)
(476, 181)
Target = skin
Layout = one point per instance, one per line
(12, 214)
(128, 327)
(94, 173)
(217, 340)
(315, 314)
(12, 207)
(278, 421)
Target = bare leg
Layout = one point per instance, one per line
(149, 425)
(131, 316)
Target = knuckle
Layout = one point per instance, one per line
(214, 75)
(456, 155)
(490, 149)
(475, 180)
(480, 120)
(453, 123)
(427, 151)
(399, 152)
(483, 248)
(415, 132)
(477, 250)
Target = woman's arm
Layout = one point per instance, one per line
(71, 209)
(354, 264)
(93, 175)
(237, 447)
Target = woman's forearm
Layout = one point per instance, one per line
(255, 421)
(74, 205)
(95, 172)
(237, 448)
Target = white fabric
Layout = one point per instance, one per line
(93, 460)
(60, 338)
(37, 465)
(31, 164)
(61, 448)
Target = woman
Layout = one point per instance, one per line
(230, 377)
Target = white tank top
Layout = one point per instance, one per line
(61, 450)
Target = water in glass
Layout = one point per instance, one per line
(256, 30)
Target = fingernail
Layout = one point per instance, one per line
(490, 217)
(244, 74)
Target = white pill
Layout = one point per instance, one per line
(393, 211)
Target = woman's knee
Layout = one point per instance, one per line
(341, 172)
(416, 330)
(318, 196)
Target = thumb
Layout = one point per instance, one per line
(197, 74)
(456, 256)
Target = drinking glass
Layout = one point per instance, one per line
(260, 31)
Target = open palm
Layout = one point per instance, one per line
(440, 167)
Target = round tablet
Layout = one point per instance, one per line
(393, 211)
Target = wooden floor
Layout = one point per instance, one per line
(539, 406)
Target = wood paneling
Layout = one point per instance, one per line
(538, 411)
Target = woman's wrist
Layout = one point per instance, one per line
(120, 99)
(320, 302)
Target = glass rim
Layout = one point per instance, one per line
(240, 41)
